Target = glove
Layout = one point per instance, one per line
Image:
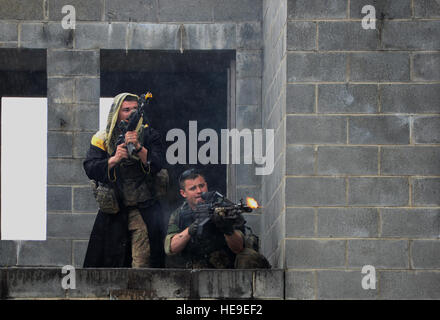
(223, 224)
(192, 229)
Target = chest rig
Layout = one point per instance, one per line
(134, 184)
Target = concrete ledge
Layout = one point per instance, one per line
(141, 284)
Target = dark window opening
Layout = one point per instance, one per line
(189, 86)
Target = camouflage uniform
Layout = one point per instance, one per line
(211, 250)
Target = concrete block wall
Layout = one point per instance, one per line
(362, 153)
(73, 78)
(274, 118)
(355, 114)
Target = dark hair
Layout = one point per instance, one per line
(189, 174)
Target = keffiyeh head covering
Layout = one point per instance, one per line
(112, 131)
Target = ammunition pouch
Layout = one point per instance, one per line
(106, 197)
(161, 183)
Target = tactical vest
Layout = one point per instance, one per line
(134, 185)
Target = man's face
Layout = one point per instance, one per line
(193, 189)
(126, 109)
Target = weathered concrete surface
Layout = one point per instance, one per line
(141, 284)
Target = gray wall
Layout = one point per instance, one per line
(355, 114)
(362, 153)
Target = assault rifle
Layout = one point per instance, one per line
(217, 204)
(133, 121)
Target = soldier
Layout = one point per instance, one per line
(222, 244)
(129, 217)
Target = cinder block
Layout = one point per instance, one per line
(316, 67)
(315, 191)
(52, 252)
(138, 11)
(427, 67)
(60, 116)
(79, 253)
(34, 283)
(81, 144)
(426, 129)
(389, 254)
(341, 35)
(249, 64)
(101, 36)
(334, 285)
(347, 160)
(273, 207)
(315, 253)
(378, 191)
(155, 36)
(426, 192)
(59, 198)
(301, 35)
(316, 129)
(8, 31)
(300, 98)
(348, 222)
(248, 117)
(85, 10)
(379, 130)
(248, 91)
(268, 284)
(88, 90)
(60, 91)
(425, 254)
(347, 98)
(379, 66)
(244, 10)
(65, 171)
(409, 285)
(249, 36)
(222, 283)
(427, 9)
(300, 222)
(131, 284)
(300, 160)
(416, 98)
(410, 223)
(273, 180)
(210, 36)
(411, 35)
(46, 35)
(186, 10)
(21, 10)
(300, 285)
(400, 9)
(70, 226)
(8, 253)
(246, 174)
(83, 200)
(59, 144)
(410, 161)
(72, 63)
(86, 117)
(316, 9)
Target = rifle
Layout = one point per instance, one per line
(133, 120)
(217, 204)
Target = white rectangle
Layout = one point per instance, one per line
(23, 168)
(105, 105)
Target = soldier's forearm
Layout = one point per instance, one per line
(179, 241)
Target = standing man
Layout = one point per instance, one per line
(128, 231)
(222, 244)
